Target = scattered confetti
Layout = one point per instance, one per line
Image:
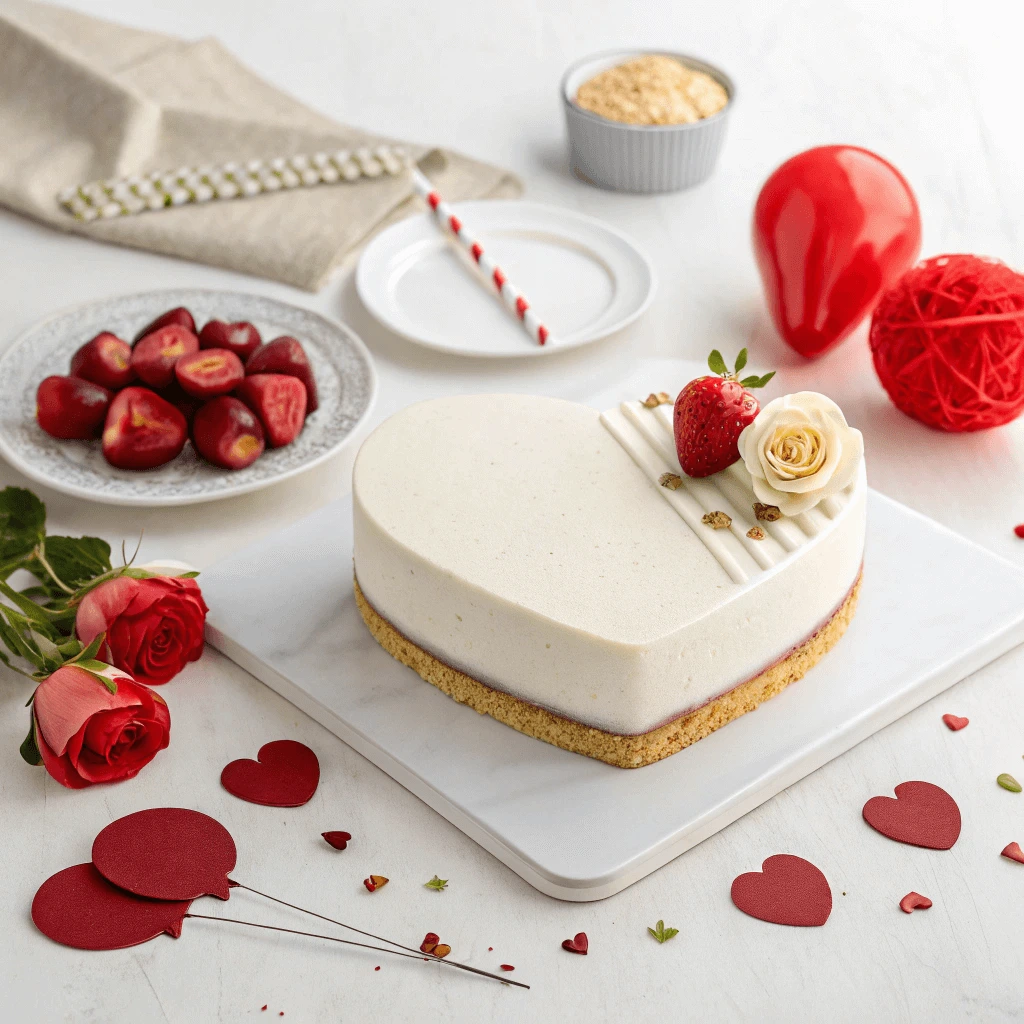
(339, 840)
(954, 723)
(1012, 851)
(507, 967)
(376, 968)
(577, 944)
(437, 884)
(1007, 781)
(787, 890)
(914, 901)
(374, 882)
(661, 933)
(921, 814)
(1019, 530)
(433, 945)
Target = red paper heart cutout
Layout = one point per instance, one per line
(166, 853)
(787, 890)
(1012, 851)
(78, 907)
(339, 840)
(914, 901)
(955, 723)
(834, 228)
(286, 775)
(920, 815)
(577, 944)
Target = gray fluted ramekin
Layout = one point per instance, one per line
(641, 157)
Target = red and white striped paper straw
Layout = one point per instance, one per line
(509, 294)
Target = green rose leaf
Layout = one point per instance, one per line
(22, 527)
(29, 749)
(75, 561)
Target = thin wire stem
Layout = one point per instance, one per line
(346, 942)
(380, 938)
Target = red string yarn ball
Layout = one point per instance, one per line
(948, 343)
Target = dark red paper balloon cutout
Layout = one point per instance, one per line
(286, 775)
(787, 890)
(78, 907)
(920, 815)
(166, 853)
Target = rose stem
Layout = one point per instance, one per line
(349, 942)
(370, 935)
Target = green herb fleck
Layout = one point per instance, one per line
(661, 933)
(437, 884)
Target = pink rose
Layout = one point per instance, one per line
(154, 626)
(86, 734)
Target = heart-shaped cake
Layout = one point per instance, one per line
(550, 566)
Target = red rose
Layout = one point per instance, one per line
(86, 734)
(154, 627)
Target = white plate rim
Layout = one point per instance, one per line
(372, 253)
(14, 457)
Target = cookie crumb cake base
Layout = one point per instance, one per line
(612, 748)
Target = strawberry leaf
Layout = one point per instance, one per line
(751, 382)
(741, 360)
(764, 380)
(717, 363)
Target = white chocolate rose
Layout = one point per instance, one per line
(800, 450)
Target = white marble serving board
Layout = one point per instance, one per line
(934, 608)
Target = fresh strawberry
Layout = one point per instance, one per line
(70, 407)
(142, 430)
(241, 338)
(179, 315)
(285, 355)
(209, 372)
(227, 433)
(154, 357)
(106, 360)
(710, 415)
(280, 403)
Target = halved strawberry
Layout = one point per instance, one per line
(71, 408)
(227, 433)
(241, 338)
(209, 372)
(285, 355)
(179, 315)
(280, 403)
(154, 357)
(142, 430)
(710, 414)
(106, 360)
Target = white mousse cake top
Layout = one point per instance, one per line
(528, 542)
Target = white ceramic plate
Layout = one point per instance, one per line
(584, 279)
(346, 384)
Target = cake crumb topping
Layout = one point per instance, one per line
(673, 481)
(717, 520)
(755, 533)
(652, 401)
(767, 513)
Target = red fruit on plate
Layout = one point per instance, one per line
(71, 408)
(209, 373)
(285, 355)
(241, 338)
(280, 403)
(179, 315)
(227, 433)
(143, 430)
(154, 358)
(106, 360)
(834, 228)
(710, 415)
(188, 405)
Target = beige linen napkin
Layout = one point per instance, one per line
(82, 99)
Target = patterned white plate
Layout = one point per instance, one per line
(346, 383)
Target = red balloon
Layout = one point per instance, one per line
(78, 907)
(787, 890)
(166, 853)
(834, 227)
(286, 775)
(921, 815)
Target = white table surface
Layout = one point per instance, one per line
(932, 86)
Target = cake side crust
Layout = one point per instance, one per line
(612, 748)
